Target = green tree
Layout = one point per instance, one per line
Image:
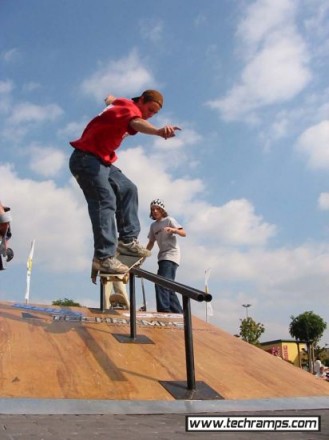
(66, 302)
(308, 327)
(251, 331)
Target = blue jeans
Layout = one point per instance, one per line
(112, 202)
(166, 299)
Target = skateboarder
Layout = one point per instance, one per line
(111, 197)
(6, 253)
(164, 231)
(5, 219)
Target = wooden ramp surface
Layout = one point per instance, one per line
(47, 355)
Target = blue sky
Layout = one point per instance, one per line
(247, 176)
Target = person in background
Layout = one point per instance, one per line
(164, 230)
(5, 219)
(316, 367)
(111, 197)
(5, 234)
(323, 372)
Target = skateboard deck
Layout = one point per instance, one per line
(129, 261)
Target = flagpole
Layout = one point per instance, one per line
(206, 278)
(28, 273)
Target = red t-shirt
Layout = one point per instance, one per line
(104, 134)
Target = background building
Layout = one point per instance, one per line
(288, 350)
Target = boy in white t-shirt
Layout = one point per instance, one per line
(164, 231)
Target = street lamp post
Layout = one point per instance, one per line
(246, 306)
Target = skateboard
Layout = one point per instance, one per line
(119, 301)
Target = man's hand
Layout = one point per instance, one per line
(167, 131)
(109, 99)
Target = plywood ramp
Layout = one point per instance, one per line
(44, 355)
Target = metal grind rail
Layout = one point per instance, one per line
(194, 391)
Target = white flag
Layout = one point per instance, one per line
(209, 308)
(29, 271)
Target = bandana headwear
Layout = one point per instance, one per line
(159, 203)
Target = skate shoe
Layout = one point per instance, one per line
(109, 265)
(133, 249)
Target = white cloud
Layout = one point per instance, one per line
(72, 130)
(122, 77)
(153, 179)
(22, 118)
(56, 217)
(26, 112)
(277, 61)
(311, 109)
(313, 143)
(277, 282)
(46, 161)
(283, 274)
(234, 223)
(264, 17)
(276, 74)
(323, 201)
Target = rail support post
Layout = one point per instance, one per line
(133, 338)
(189, 390)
